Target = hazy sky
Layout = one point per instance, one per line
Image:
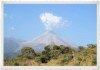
(73, 22)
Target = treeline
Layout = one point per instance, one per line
(55, 56)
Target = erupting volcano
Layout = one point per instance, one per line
(48, 38)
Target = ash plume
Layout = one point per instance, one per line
(52, 21)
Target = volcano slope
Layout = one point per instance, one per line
(48, 38)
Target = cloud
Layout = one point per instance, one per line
(51, 21)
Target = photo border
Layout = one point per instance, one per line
(97, 67)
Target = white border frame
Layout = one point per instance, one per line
(51, 67)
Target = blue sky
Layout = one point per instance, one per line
(22, 21)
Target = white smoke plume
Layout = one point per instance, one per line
(51, 21)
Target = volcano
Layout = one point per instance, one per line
(48, 38)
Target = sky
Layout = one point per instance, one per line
(73, 22)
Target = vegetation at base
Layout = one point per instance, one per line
(56, 56)
(28, 52)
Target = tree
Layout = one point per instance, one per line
(91, 45)
(44, 58)
(54, 53)
(81, 47)
(47, 48)
(62, 46)
(65, 50)
(56, 47)
(46, 51)
(28, 52)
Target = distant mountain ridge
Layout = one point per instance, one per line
(10, 46)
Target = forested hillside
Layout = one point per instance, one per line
(56, 56)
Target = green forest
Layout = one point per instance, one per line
(56, 56)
